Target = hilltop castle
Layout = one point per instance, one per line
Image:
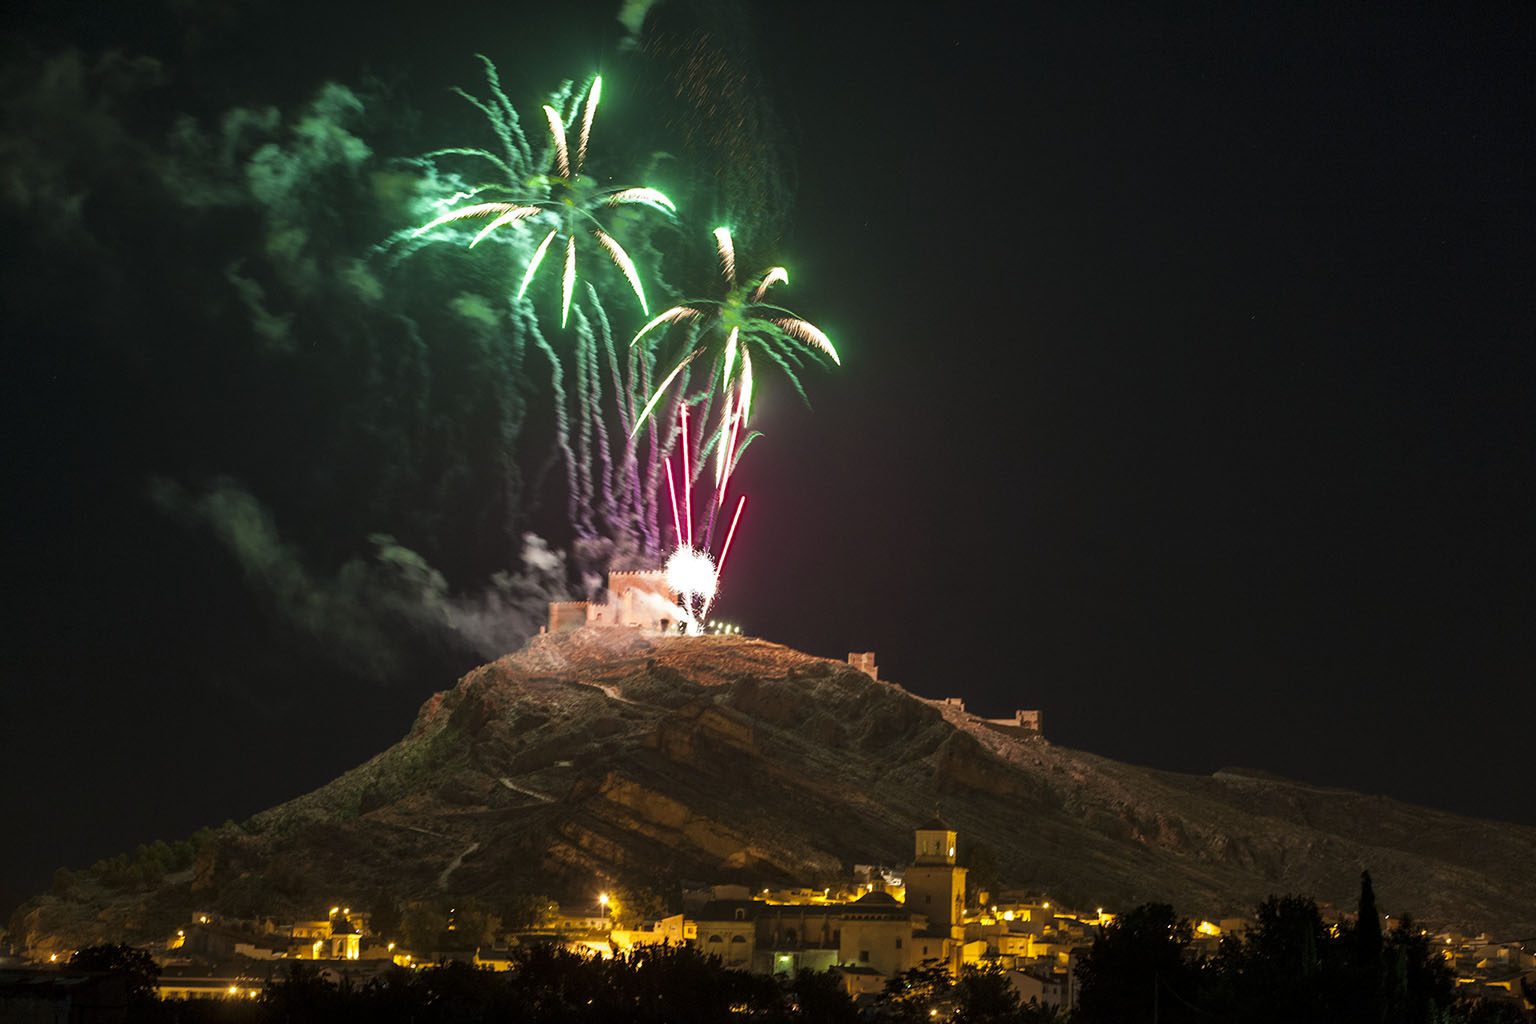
(639, 600)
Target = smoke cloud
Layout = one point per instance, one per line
(359, 610)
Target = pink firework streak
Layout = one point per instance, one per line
(697, 596)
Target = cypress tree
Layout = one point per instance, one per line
(1368, 951)
(1368, 927)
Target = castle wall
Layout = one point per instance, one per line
(636, 599)
(1022, 721)
(565, 616)
(642, 599)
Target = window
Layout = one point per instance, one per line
(741, 915)
(714, 939)
(927, 897)
(863, 956)
(898, 942)
(789, 936)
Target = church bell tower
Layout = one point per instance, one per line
(936, 888)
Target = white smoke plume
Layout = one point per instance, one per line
(357, 611)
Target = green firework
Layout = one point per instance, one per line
(562, 198)
(737, 326)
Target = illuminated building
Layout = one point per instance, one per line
(936, 889)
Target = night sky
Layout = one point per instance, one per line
(1187, 389)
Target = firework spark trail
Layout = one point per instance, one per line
(557, 133)
(535, 260)
(643, 195)
(691, 572)
(687, 478)
(584, 416)
(725, 550)
(647, 498)
(562, 422)
(775, 275)
(512, 408)
(723, 434)
(505, 122)
(568, 280)
(727, 256)
(664, 437)
(677, 523)
(593, 95)
(480, 154)
(511, 216)
(627, 480)
(611, 511)
(730, 459)
(660, 453)
(624, 263)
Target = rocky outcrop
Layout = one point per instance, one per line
(600, 757)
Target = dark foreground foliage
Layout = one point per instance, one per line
(651, 985)
(1288, 967)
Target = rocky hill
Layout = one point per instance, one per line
(602, 758)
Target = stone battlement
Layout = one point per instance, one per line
(639, 599)
(1024, 721)
(864, 661)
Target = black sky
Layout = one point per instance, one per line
(1187, 393)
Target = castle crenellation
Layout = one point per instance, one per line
(864, 661)
(1023, 720)
(636, 599)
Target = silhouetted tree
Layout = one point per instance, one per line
(1285, 968)
(821, 999)
(384, 917)
(1138, 967)
(981, 865)
(1418, 984)
(1367, 962)
(1036, 1012)
(302, 994)
(136, 966)
(423, 925)
(1476, 1010)
(524, 909)
(636, 904)
(912, 994)
(1290, 966)
(984, 995)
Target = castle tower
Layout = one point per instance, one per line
(936, 888)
